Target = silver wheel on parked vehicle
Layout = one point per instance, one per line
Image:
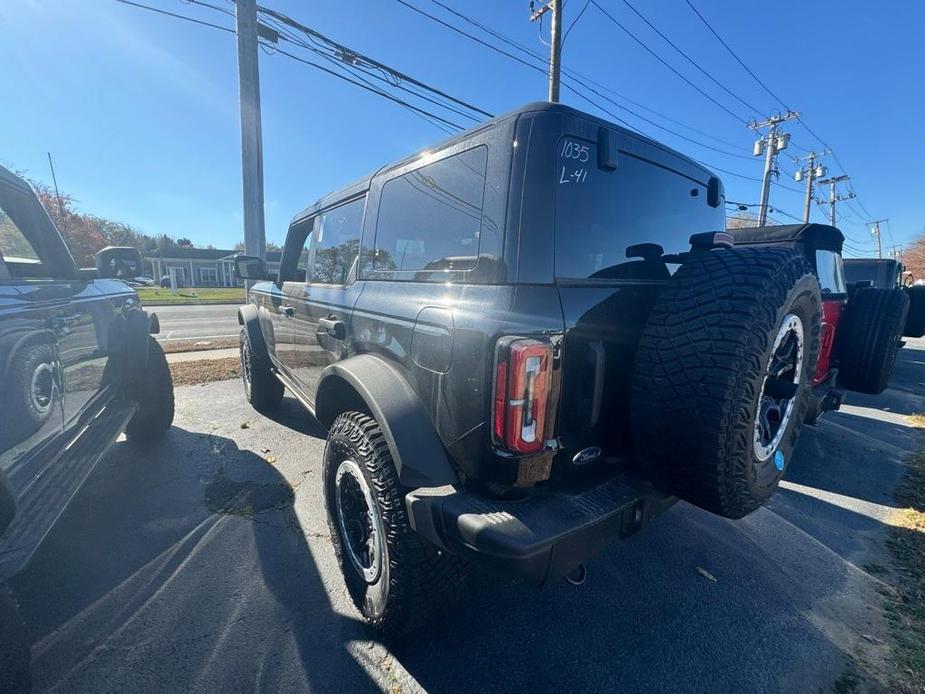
(360, 524)
(779, 388)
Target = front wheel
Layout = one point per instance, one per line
(261, 388)
(396, 579)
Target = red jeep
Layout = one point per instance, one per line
(860, 334)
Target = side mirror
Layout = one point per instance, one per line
(119, 262)
(249, 267)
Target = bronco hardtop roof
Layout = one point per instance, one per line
(816, 235)
(362, 185)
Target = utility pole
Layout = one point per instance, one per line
(769, 145)
(251, 139)
(810, 172)
(555, 43)
(834, 195)
(875, 231)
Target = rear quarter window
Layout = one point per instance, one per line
(430, 218)
(831, 273)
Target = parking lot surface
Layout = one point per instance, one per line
(204, 564)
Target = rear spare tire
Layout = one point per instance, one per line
(869, 339)
(915, 321)
(721, 376)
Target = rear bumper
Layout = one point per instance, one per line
(540, 538)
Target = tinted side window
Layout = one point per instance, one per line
(830, 272)
(336, 243)
(430, 218)
(21, 259)
(600, 214)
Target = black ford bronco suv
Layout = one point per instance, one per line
(78, 367)
(528, 341)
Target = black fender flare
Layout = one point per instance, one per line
(249, 319)
(419, 456)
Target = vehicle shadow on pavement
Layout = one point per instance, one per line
(791, 607)
(292, 414)
(185, 571)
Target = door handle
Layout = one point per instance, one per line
(287, 310)
(333, 327)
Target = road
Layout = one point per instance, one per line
(197, 322)
(204, 564)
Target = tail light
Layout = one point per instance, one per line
(523, 370)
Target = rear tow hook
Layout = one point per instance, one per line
(577, 576)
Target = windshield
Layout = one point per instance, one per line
(600, 214)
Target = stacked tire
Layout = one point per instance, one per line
(868, 340)
(734, 335)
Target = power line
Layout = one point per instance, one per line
(568, 83)
(738, 60)
(664, 62)
(575, 21)
(769, 91)
(578, 77)
(176, 16)
(312, 32)
(691, 60)
(422, 112)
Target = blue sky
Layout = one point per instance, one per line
(140, 110)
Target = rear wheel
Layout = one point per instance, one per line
(721, 376)
(153, 390)
(397, 580)
(870, 337)
(261, 388)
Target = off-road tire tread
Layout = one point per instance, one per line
(153, 390)
(699, 364)
(423, 579)
(869, 340)
(266, 391)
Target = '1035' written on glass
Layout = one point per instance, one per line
(573, 156)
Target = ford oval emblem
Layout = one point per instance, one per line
(587, 455)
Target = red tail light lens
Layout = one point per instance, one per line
(521, 398)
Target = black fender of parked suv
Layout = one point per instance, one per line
(525, 343)
(78, 367)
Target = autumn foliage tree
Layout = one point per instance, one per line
(85, 234)
(914, 256)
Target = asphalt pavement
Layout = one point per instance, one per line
(197, 321)
(203, 563)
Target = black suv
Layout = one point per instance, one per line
(526, 342)
(78, 367)
(887, 273)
